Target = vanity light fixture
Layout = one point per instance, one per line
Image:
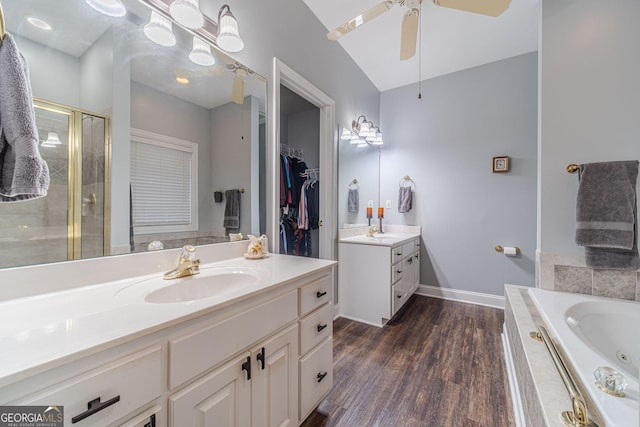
(39, 23)
(53, 140)
(187, 13)
(159, 30)
(228, 38)
(201, 53)
(113, 8)
(363, 133)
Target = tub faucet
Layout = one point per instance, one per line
(188, 265)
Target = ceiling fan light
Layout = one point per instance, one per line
(158, 30)
(187, 13)
(201, 53)
(228, 35)
(113, 8)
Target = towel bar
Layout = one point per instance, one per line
(573, 168)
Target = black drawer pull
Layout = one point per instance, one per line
(398, 253)
(398, 271)
(410, 260)
(321, 327)
(261, 357)
(246, 366)
(320, 294)
(321, 376)
(399, 296)
(152, 421)
(93, 407)
(416, 257)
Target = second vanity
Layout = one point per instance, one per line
(130, 353)
(378, 272)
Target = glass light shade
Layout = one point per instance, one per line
(158, 30)
(378, 139)
(201, 53)
(228, 36)
(346, 134)
(53, 139)
(113, 8)
(187, 13)
(39, 23)
(364, 129)
(355, 139)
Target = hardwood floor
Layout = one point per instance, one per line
(438, 363)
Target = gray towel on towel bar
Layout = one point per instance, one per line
(231, 221)
(606, 214)
(353, 200)
(404, 199)
(24, 174)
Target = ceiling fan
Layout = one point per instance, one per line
(410, 19)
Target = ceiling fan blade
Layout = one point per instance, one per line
(485, 7)
(409, 36)
(354, 23)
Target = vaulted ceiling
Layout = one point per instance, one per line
(451, 40)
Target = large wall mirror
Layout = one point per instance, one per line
(359, 171)
(144, 142)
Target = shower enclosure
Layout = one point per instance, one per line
(72, 221)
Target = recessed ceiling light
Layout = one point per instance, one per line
(182, 80)
(39, 23)
(113, 8)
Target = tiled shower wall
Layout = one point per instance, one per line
(568, 273)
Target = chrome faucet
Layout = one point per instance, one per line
(188, 265)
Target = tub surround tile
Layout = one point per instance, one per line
(615, 284)
(542, 392)
(573, 279)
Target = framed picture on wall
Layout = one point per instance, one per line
(501, 164)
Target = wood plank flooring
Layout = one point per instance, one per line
(438, 363)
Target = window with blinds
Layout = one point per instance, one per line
(163, 183)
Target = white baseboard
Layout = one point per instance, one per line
(477, 298)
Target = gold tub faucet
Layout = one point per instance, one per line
(188, 265)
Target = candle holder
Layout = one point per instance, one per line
(380, 216)
(369, 214)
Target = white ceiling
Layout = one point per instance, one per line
(452, 40)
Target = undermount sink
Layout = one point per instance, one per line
(210, 282)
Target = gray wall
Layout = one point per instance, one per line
(589, 107)
(446, 142)
(164, 114)
(359, 163)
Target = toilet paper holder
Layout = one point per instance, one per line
(500, 248)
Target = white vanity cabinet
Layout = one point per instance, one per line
(377, 276)
(246, 363)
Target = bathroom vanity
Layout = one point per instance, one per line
(378, 274)
(127, 352)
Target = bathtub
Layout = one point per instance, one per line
(593, 332)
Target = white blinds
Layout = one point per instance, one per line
(161, 184)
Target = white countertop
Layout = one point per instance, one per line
(378, 239)
(48, 330)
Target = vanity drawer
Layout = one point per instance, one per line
(315, 327)
(396, 254)
(315, 293)
(409, 248)
(316, 376)
(398, 298)
(131, 382)
(191, 354)
(396, 273)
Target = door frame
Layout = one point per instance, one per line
(284, 75)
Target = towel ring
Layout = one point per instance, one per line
(407, 179)
(573, 168)
(353, 185)
(2, 29)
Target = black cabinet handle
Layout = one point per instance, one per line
(246, 366)
(410, 260)
(398, 271)
(321, 376)
(152, 421)
(321, 327)
(398, 253)
(399, 296)
(320, 294)
(416, 257)
(94, 406)
(261, 357)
